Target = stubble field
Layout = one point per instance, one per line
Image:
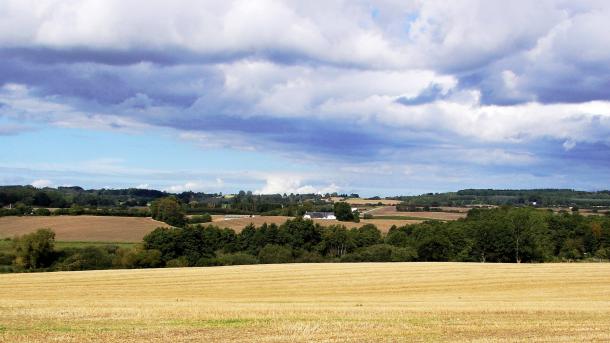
(82, 228)
(390, 211)
(369, 302)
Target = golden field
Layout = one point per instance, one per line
(391, 211)
(368, 302)
(82, 228)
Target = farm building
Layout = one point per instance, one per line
(319, 215)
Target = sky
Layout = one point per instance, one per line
(372, 97)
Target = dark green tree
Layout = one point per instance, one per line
(343, 211)
(336, 241)
(272, 253)
(365, 236)
(168, 210)
(35, 250)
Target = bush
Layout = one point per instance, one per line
(76, 210)
(603, 253)
(406, 254)
(381, 253)
(239, 258)
(138, 258)
(177, 262)
(42, 212)
(272, 253)
(6, 259)
(61, 212)
(204, 218)
(35, 250)
(367, 216)
(310, 257)
(87, 258)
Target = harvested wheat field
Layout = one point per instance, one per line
(82, 228)
(383, 225)
(391, 211)
(237, 225)
(369, 302)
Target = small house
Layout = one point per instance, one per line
(319, 215)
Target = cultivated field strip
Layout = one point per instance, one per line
(312, 302)
(82, 228)
(237, 225)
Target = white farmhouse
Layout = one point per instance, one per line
(319, 215)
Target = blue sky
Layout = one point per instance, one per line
(373, 97)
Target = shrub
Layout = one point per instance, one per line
(42, 212)
(138, 258)
(177, 262)
(381, 253)
(310, 257)
(204, 218)
(603, 253)
(239, 258)
(35, 250)
(367, 216)
(76, 210)
(6, 259)
(406, 254)
(272, 253)
(87, 258)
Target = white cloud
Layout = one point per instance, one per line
(21, 104)
(197, 186)
(210, 27)
(42, 183)
(218, 140)
(285, 183)
(569, 145)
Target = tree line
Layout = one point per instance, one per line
(23, 200)
(486, 235)
(514, 197)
